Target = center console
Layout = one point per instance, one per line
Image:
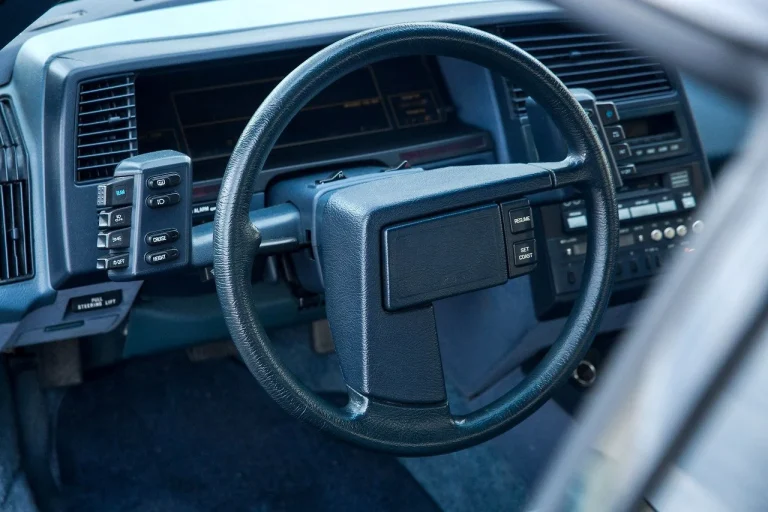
(664, 178)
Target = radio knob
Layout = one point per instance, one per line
(656, 235)
(697, 226)
(681, 230)
(669, 233)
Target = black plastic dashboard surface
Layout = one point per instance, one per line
(202, 110)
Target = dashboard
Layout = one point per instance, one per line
(84, 98)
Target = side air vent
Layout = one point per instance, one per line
(15, 229)
(608, 68)
(106, 126)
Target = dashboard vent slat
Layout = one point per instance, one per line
(608, 68)
(15, 228)
(106, 130)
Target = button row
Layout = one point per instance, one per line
(658, 149)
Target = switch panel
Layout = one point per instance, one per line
(155, 238)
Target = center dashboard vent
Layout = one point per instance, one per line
(15, 227)
(106, 126)
(608, 68)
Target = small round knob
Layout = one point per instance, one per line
(697, 226)
(669, 232)
(681, 230)
(656, 235)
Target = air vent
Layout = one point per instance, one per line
(15, 232)
(106, 126)
(608, 68)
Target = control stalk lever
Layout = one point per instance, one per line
(279, 227)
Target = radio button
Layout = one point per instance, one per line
(669, 233)
(577, 222)
(656, 235)
(162, 237)
(689, 202)
(624, 214)
(667, 206)
(681, 230)
(155, 258)
(525, 253)
(621, 151)
(643, 210)
(615, 133)
(697, 227)
(521, 220)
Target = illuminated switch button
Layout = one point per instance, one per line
(624, 214)
(158, 257)
(525, 253)
(117, 218)
(656, 235)
(118, 192)
(163, 200)
(112, 262)
(164, 180)
(643, 210)
(689, 202)
(521, 220)
(669, 233)
(607, 111)
(666, 206)
(577, 222)
(118, 239)
(162, 237)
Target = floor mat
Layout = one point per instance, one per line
(168, 435)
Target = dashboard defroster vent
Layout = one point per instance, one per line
(15, 229)
(608, 68)
(106, 126)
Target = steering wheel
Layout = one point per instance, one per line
(389, 356)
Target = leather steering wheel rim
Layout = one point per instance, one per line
(428, 429)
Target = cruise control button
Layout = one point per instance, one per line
(521, 220)
(615, 133)
(117, 239)
(155, 258)
(164, 180)
(117, 218)
(525, 253)
(163, 200)
(162, 237)
(112, 262)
